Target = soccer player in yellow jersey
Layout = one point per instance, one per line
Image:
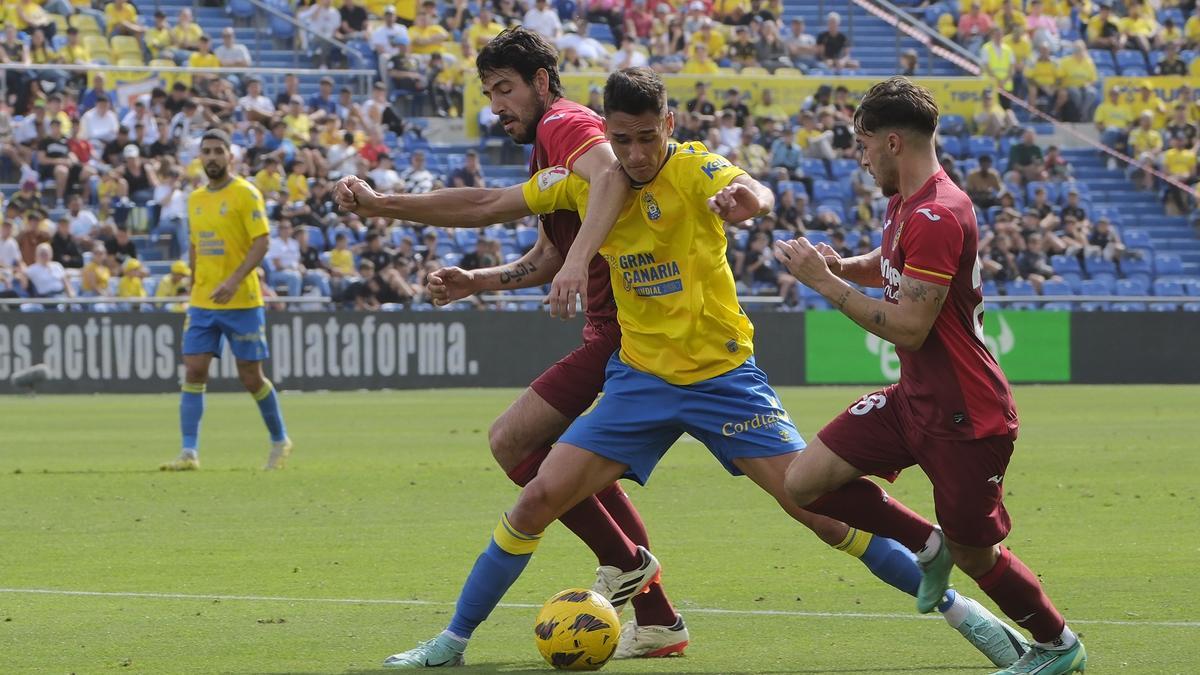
(228, 222)
(686, 362)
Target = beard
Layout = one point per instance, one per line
(215, 172)
(527, 133)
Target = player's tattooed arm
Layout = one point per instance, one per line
(514, 273)
(535, 268)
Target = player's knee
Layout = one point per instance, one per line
(251, 378)
(798, 486)
(194, 374)
(975, 561)
(507, 448)
(536, 508)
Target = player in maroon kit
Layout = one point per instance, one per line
(952, 412)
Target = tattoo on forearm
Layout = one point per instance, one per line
(841, 302)
(879, 318)
(514, 273)
(917, 292)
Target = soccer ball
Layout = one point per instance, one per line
(577, 629)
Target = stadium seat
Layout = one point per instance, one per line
(824, 190)
(1019, 288)
(1058, 306)
(1137, 265)
(843, 167)
(1191, 286)
(1163, 307)
(97, 48)
(876, 238)
(1132, 287)
(1134, 71)
(1065, 264)
(1168, 287)
(451, 259)
(796, 187)
(316, 238)
(1074, 280)
(951, 145)
(835, 208)
(1093, 306)
(1056, 288)
(1135, 238)
(784, 235)
(1097, 265)
(1052, 192)
(952, 125)
(1168, 263)
(1095, 287)
(982, 145)
(125, 44)
(814, 237)
(1190, 306)
(465, 238)
(526, 237)
(990, 289)
(814, 167)
(241, 9)
(86, 24)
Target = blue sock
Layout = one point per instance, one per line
(495, 570)
(889, 560)
(268, 405)
(191, 409)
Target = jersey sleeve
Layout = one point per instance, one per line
(932, 241)
(552, 189)
(712, 173)
(568, 136)
(255, 212)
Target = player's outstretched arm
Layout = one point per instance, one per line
(742, 199)
(905, 324)
(609, 189)
(860, 269)
(532, 269)
(449, 207)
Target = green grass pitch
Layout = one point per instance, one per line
(358, 549)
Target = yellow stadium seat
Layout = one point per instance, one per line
(167, 78)
(97, 47)
(754, 70)
(788, 72)
(85, 24)
(126, 45)
(130, 60)
(60, 22)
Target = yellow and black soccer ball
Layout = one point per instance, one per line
(577, 629)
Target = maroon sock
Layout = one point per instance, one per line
(652, 608)
(587, 519)
(1017, 592)
(863, 504)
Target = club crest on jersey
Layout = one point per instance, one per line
(224, 209)
(652, 210)
(549, 177)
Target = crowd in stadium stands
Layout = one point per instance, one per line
(92, 172)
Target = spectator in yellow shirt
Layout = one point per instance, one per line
(1146, 99)
(998, 59)
(1104, 30)
(121, 17)
(297, 185)
(993, 119)
(426, 37)
(203, 59)
(1113, 119)
(74, 52)
(1191, 30)
(1020, 43)
(185, 36)
(130, 285)
(1169, 33)
(341, 258)
(1145, 144)
(269, 180)
(1179, 163)
(711, 38)
(482, 29)
(1141, 29)
(176, 284)
(1010, 17)
(96, 273)
(1043, 81)
(699, 63)
(158, 38)
(1077, 76)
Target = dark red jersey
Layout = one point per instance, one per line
(564, 134)
(952, 385)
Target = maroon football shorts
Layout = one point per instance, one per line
(877, 436)
(572, 385)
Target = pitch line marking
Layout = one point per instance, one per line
(517, 605)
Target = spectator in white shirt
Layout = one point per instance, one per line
(10, 256)
(48, 278)
(232, 54)
(83, 221)
(629, 55)
(254, 105)
(542, 18)
(342, 159)
(417, 179)
(283, 260)
(100, 124)
(171, 198)
(324, 21)
(141, 114)
(384, 176)
(588, 49)
(387, 38)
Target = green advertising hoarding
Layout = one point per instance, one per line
(1030, 346)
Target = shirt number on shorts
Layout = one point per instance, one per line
(868, 403)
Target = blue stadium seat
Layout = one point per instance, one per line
(842, 167)
(1134, 71)
(1173, 13)
(1135, 265)
(241, 9)
(982, 145)
(1190, 306)
(1075, 281)
(1168, 263)
(1132, 287)
(835, 208)
(1056, 288)
(1128, 307)
(876, 238)
(1058, 306)
(316, 238)
(740, 238)
(1093, 306)
(1107, 277)
(1163, 307)
(952, 125)
(1168, 287)
(1097, 265)
(796, 187)
(1065, 264)
(526, 237)
(1095, 287)
(1135, 238)
(830, 190)
(951, 145)
(1052, 192)
(1019, 288)
(814, 237)
(452, 259)
(814, 167)
(1191, 286)
(990, 289)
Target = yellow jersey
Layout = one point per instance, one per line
(170, 289)
(1191, 29)
(299, 127)
(479, 35)
(1113, 115)
(1145, 140)
(130, 286)
(1180, 163)
(189, 34)
(694, 67)
(203, 61)
(342, 261)
(1140, 27)
(1075, 72)
(417, 33)
(297, 187)
(157, 40)
(268, 181)
(1044, 73)
(224, 223)
(102, 274)
(113, 16)
(676, 298)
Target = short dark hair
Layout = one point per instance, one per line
(524, 51)
(635, 91)
(897, 103)
(216, 135)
